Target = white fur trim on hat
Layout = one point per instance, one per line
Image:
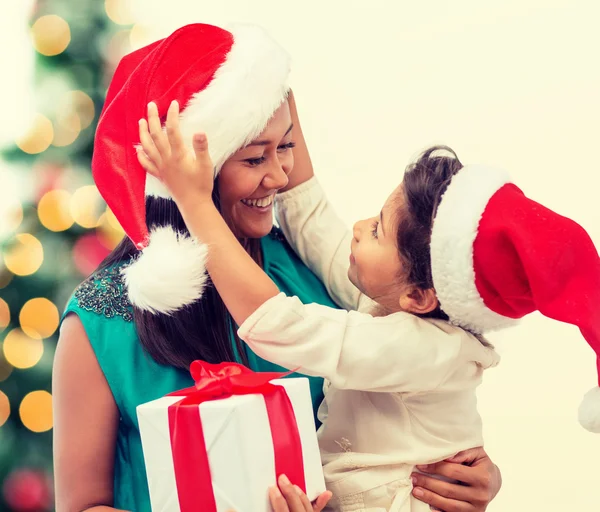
(453, 234)
(238, 103)
(169, 273)
(589, 411)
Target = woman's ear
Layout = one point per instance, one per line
(418, 301)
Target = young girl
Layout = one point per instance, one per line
(402, 377)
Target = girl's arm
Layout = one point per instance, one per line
(86, 420)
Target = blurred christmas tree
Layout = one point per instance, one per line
(54, 229)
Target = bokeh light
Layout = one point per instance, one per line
(66, 129)
(39, 318)
(4, 315)
(86, 206)
(119, 11)
(139, 36)
(51, 35)
(88, 253)
(11, 215)
(110, 232)
(81, 104)
(39, 136)
(22, 351)
(4, 408)
(36, 411)
(25, 256)
(5, 367)
(54, 210)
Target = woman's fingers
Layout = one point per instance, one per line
(321, 502)
(156, 132)
(445, 489)
(278, 503)
(452, 471)
(293, 499)
(174, 137)
(444, 504)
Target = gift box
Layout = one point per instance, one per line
(221, 444)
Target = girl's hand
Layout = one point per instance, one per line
(479, 482)
(189, 176)
(290, 498)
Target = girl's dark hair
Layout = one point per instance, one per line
(425, 181)
(201, 330)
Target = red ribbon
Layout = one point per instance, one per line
(190, 458)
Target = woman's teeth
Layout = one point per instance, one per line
(261, 203)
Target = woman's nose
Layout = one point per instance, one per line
(276, 177)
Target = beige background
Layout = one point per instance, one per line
(509, 83)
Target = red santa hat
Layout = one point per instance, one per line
(497, 256)
(228, 83)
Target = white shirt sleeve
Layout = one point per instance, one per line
(396, 353)
(321, 240)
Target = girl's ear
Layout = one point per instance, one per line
(418, 301)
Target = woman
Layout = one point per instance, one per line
(131, 330)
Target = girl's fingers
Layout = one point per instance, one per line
(203, 161)
(147, 165)
(178, 148)
(156, 132)
(148, 144)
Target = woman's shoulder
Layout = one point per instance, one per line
(102, 296)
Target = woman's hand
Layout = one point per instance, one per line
(188, 175)
(290, 498)
(479, 482)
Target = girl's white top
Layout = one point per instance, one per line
(400, 390)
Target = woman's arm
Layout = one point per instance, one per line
(86, 420)
(479, 482)
(303, 169)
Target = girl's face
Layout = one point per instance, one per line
(375, 265)
(250, 178)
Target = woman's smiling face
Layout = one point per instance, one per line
(251, 177)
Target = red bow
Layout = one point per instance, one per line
(190, 459)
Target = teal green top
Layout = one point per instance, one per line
(135, 378)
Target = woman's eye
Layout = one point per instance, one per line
(374, 228)
(255, 161)
(285, 147)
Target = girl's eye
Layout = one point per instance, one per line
(285, 147)
(253, 162)
(374, 227)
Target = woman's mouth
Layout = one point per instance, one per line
(261, 204)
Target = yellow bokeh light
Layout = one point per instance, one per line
(80, 104)
(39, 318)
(22, 351)
(36, 411)
(5, 368)
(4, 408)
(66, 129)
(25, 256)
(39, 136)
(11, 215)
(110, 232)
(119, 11)
(4, 315)
(54, 210)
(51, 35)
(139, 36)
(86, 206)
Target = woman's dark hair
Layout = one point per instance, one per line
(201, 330)
(425, 181)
